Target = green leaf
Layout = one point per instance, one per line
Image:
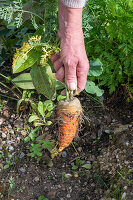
(6, 166)
(93, 89)
(48, 103)
(26, 139)
(41, 108)
(33, 118)
(51, 107)
(44, 80)
(47, 144)
(87, 166)
(74, 167)
(60, 97)
(59, 85)
(24, 81)
(48, 123)
(42, 198)
(96, 68)
(26, 60)
(49, 114)
(50, 163)
(33, 134)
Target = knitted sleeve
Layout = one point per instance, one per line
(74, 3)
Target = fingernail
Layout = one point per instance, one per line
(71, 86)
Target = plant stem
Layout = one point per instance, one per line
(8, 97)
(10, 90)
(11, 82)
(26, 11)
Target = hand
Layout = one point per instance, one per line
(71, 63)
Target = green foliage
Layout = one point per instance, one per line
(24, 81)
(42, 112)
(35, 54)
(11, 160)
(13, 12)
(110, 38)
(116, 189)
(44, 80)
(80, 164)
(36, 150)
(11, 184)
(95, 70)
(42, 198)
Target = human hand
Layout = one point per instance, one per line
(71, 63)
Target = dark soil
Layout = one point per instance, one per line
(107, 127)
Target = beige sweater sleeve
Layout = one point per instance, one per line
(74, 3)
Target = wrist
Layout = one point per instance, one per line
(70, 19)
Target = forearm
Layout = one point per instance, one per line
(70, 20)
(74, 3)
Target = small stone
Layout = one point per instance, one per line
(100, 132)
(21, 155)
(76, 175)
(51, 194)
(93, 185)
(22, 170)
(107, 131)
(68, 176)
(11, 131)
(2, 120)
(123, 196)
(63, 165)
(130, 125)
(36, 179)
(24, 133)
(46, 129)
(10, 142)
(11, 148)
(80, 149)
(9, 126)
(3, 135)
(125, 187)
(68, 196)
(18, 138)
(64, 154)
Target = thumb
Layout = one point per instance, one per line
(70, 75)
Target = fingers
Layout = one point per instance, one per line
(82, 71)
(55, 57)
(58, 64)
(60, 74)
(70, 74)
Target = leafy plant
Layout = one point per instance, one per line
(36, 150)
(11, 184)
(11, 160)
(13, 13)
(121, 178)
(113, 48)
(42, 198)
(80, 164)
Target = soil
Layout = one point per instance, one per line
(104, 143)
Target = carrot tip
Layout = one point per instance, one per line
(61, 149)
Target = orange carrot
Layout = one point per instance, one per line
(68, 120)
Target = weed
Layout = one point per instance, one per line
(42, 198)
(122, 178)
(80, 164)
(12, 159)
(11, 184)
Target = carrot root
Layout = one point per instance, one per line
(68, 120)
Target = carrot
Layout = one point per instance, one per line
(68, 120)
